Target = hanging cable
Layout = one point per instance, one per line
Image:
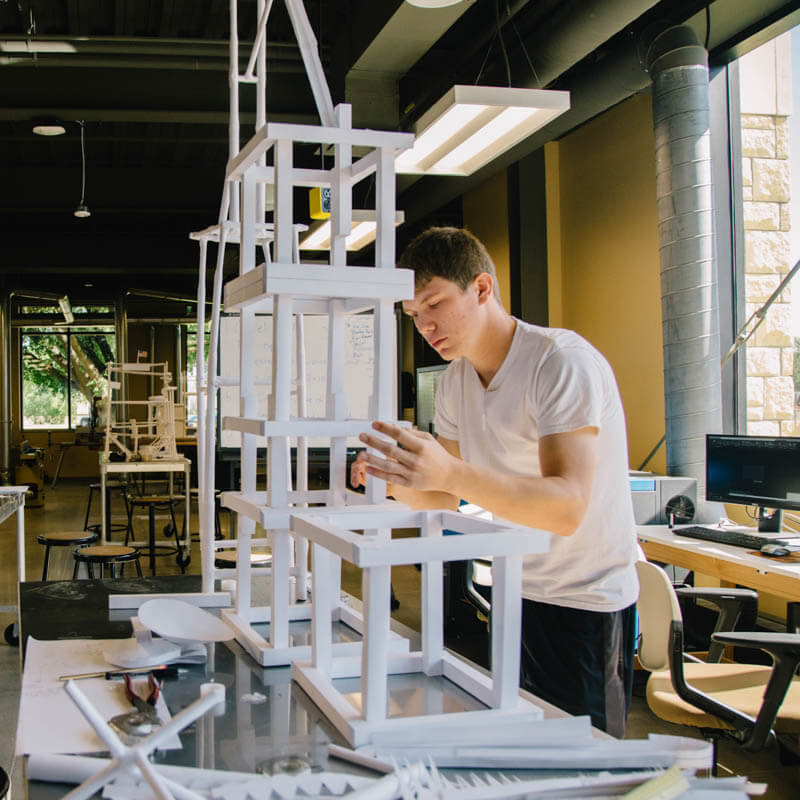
(502, 42)
(525, 53)
(83, 162)
(82, 210)
(485, 58)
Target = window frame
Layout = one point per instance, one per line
(68, 332)
(726, 156)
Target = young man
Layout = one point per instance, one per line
(530, 427)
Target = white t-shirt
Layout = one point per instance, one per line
(553, 381)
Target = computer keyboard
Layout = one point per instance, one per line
(737, 538)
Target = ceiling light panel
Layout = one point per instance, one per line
(472, 125)
(362, 232)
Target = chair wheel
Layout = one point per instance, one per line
(183, 561)
(11, 635)
(169, 530)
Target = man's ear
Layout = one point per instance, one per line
(484, 283)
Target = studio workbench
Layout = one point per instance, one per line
(285, 728)
(268, 732)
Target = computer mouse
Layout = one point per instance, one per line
(775, 550)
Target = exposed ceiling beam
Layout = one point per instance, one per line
(137, 45)
(371, 84)
(185, 117)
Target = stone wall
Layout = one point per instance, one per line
(765, 111)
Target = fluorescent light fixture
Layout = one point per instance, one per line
(363, 231)
(66, 309)
(472, 125)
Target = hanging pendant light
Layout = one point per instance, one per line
(48, 126)
(82, 210)
(472, 125)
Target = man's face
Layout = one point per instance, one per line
(444, 313)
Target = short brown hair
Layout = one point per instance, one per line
(454, 254)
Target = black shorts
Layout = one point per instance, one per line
(580, 661)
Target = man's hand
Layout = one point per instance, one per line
(416, 461)
(424, 472)
(358, 470)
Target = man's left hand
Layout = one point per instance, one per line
(417, 460)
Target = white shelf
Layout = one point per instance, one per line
(317, 281)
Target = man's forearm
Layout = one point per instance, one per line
(555, 500)
(420, 499)
(550, 503)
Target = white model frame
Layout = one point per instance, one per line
(287, 289)
(282, 287)
(333, 537)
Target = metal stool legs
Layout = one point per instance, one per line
(62, 539)
(105, 554)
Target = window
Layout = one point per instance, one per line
(768, 196)
(62, 370)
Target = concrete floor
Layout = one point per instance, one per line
(64, 509)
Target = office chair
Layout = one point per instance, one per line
(750, 704)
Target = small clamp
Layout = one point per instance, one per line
(133, 725)
(146, 706)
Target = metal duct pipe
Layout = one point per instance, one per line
(677, 63)
(5, 388)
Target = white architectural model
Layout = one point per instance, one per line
(288, 289)
(285, 287)
(140, 411)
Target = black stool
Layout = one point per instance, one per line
(62, 539)
(111, 486)
(155, 503)
(106, 554)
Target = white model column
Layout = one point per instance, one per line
(247, 403)
(278, 446)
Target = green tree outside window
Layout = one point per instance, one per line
(61, 372)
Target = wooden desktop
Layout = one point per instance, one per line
(732, 565)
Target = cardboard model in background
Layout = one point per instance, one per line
(140, 412)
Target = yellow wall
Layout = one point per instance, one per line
(603, 264)
(485, 213)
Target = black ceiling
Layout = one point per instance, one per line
(149, 79)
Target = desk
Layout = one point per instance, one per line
(248, 736)
(158, 465)
(735, 565)
(63, 447)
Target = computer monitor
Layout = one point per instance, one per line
(427, 381)
(755, 470)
